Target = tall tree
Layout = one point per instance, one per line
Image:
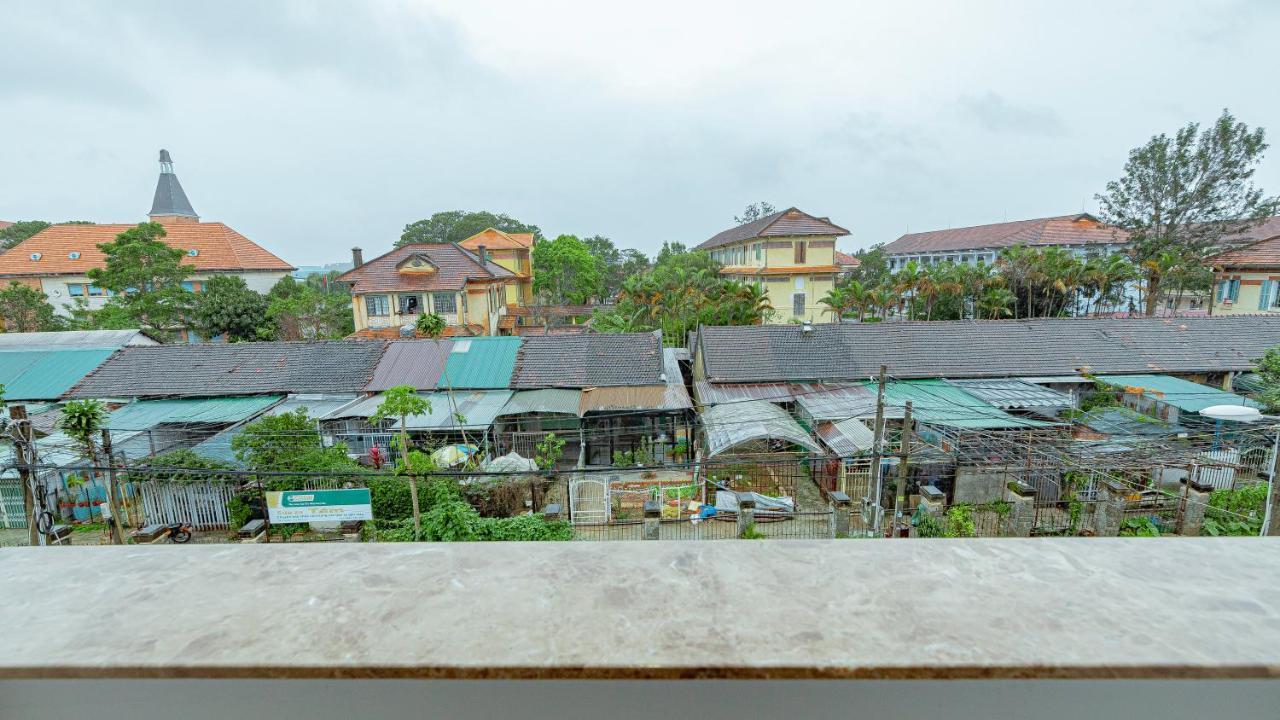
(302, 311)
(874, 268)
(1186, 194)
(565, 271)
(458, 225)
(754, 212)
(399, 403)
(146, 277)
(20, 231)
(226, 306)
(615, 265)
(25, 309)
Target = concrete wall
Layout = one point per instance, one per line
(55, 287)
(978, 486)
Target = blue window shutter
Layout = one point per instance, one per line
(1262, 294)
(1218, 292)
(1235, 290)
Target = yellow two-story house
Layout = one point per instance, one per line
(390, 292)
(791, 255)
(1247, 279)
(512, 251)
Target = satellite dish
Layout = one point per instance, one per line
(1236, 413)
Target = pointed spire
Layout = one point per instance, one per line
(170, 203)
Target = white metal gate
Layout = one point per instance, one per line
(588, 501)
(12, 509)
(203, 504)
(1223, 473)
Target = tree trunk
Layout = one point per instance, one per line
(413, 479)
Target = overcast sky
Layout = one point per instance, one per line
(312, 127)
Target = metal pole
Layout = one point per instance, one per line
(1270, 514)
(117, 529)
(24, 446)
(876, 450)
(899, 495)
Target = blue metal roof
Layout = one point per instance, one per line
(46, 374)
(480, 363)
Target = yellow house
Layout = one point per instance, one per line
(390, 292)
(1247, 279)
(791, 255)
(512, 251)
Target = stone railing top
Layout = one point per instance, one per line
(551, 610)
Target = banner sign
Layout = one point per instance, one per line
(298, 506)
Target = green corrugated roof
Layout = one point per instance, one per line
(480, 363)
(937, 402)
(146, 414)
(1182, 394)
(46, 374)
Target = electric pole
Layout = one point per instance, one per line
(900, 492)
(877, 449)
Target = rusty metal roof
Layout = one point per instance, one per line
(410, 362)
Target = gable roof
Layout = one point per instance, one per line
(784, 223)
(1264, 251)
(588, 360)
(218, 248)
(494, 239)
(217, 369)
(70, 339)
(1077, 229)
(45, 374)
(847, 261)
(455, 267)
(988, 348)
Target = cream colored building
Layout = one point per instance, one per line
(791, 255)
(512, 251)
(1247, 279)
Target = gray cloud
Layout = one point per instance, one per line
(995, 113)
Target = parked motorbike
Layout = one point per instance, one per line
(177, 532)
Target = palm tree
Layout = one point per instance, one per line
(884, 298)
(859, 297)
(996, 301)
(837, 301)
(905, 284)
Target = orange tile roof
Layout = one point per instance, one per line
(217, 246)
(498, 240)
(846, 260)
(393, 333)
(779, 270)
(1078, 229)
(1263, 252)
(4, 224)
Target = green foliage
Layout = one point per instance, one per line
(1101, 396)
(754, 212)
(448, 518)
(431, 325)
(1001, 508)
(751, 533)
(186, 460)
(624, 458)
(930, 526)
(1139, 527)
(25, 309)
(523, 528)
(112, 316)
(20, 231)
(1236, 512)
(389, 497)
(146, 277)
(238, 512)
(1269, 373)
(565, 271)
(400, 402)
(873, 269)
(309, 310)
(1181, 196)
(82, 421)
(290, 442)
(960, 521)
(458, 225)
(226, 306)
(614, 265)
(548, 451)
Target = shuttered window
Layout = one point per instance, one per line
(797, 304)
(800, 252)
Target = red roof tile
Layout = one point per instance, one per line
(217, 246)
(1078, 229)
(498, 240)
(847, 261)
(786, 223)
(454, 268)
(1263, 252)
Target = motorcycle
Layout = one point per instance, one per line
(175, 532)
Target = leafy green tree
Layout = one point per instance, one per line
(303, 311)
(565, 271)
(458, 225)
(226, 306)
(288, 442)
(25, 309)
(615, 265)
(431, 325)
(146, 277)
(754, 212)
(1269, 372)
(82, 421)
(112, 316)
(1185, 195)
(874, 267)
(20, 231)
(400, 402)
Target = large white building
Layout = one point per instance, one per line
(1081, 233)
(57, 259)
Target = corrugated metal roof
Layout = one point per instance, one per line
(1123, 421)
(1012, 393)
(481, 363)
(72, 339)
(46, 374)
(847, 437)
(727, 426)
(477, 407)
(628, 397)
(936, 402)
(838, 403)
(417, 363)
(1057, 379)
(218, 447)
(677, 395)
(557, 401)
(146, 414)
(1182, 394)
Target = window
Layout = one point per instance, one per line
(95, 291)
(377, 305)
(191, 286)
(410, 304)
(800, 247)
(445, 303)
(797, 304)
(757, 247)
(75, 289)
(800, 283)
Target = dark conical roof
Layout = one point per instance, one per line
(170, 199)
